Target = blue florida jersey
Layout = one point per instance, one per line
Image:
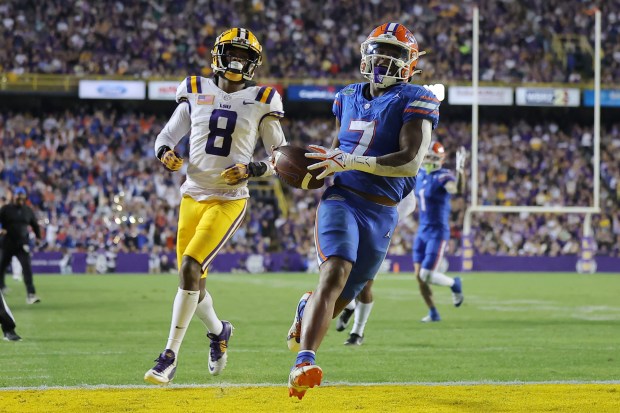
(372, 128)
(433, 203)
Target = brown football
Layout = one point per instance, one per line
(290, 165)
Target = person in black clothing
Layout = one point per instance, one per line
(15, 219)
(7, 322)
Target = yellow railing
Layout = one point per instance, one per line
(10, 82)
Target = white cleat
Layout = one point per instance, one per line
(218, 356)
(294, 333)
(457, 292)
(32, 299)
(164, 370)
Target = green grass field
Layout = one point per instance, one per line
(108, 329)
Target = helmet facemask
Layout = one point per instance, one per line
(387, 61)
(434, 158)
(235, 62)
(236, 54)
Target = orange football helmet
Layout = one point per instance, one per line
(389, 55)
(435, 157)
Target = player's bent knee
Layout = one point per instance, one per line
(191, 271)
(424, 275)
(334, 274)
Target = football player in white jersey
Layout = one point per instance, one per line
(225, 115)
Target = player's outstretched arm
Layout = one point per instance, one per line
(177, 127)
(272, 135)
(415, 137)
(458, 187)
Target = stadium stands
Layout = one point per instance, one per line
(95, 182)
(521, 41)
(93, 179)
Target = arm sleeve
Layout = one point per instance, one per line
(406, 206)
(272, 134)
(177, 127)
(422, 105)
(337, 106)
(409, 169)
(276, 109)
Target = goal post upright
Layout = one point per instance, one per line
(586, 262)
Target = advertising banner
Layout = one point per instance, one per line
(609, 98)
(487, 96)
(163, 90)
(112, 89)
(538, 96)
(312, 93)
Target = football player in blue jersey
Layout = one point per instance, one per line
(361, 307)
(434, 188)
(383, 132)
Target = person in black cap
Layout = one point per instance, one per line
(7, 322)
(15, 218)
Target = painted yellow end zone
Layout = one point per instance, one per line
(410, 398)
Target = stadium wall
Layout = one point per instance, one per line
(54, 263)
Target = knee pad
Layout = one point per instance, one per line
(425, 275)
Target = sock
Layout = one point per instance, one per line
(362, 312)
(305, 356)
(182, 311)
(206, 312)
(433, 312)
(351, 305)
(438, 278)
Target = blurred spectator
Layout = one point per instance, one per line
(520, 41)
(95, 185)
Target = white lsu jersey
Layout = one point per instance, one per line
(224, 131)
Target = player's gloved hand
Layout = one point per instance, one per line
(235, 174)
(438, 90)
(333, 160)
(239, 172)
(171, 159)
(461, 155)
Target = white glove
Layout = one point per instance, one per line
(438, 90)
(333, 160)
(461, 155)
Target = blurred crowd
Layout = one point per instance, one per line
(520, 41)
(95, 184)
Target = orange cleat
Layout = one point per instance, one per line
(303, 376)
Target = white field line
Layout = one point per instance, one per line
(326, 384)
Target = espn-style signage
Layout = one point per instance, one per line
(487, 95)
(609, 98)
(538, 96)
(312, 93)
(163, 90)
(112, 89)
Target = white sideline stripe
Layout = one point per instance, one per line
(325, 384)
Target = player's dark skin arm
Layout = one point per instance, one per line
(410, 140)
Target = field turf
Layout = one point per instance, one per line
(107, 329)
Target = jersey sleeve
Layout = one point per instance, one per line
(191, 84)
(337, 106)
(275, 106)
(422, 105)
(270, 97)
(445, 177)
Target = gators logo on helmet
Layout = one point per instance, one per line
(389, 55)
(227, 63)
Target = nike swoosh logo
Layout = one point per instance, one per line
(245, 102)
